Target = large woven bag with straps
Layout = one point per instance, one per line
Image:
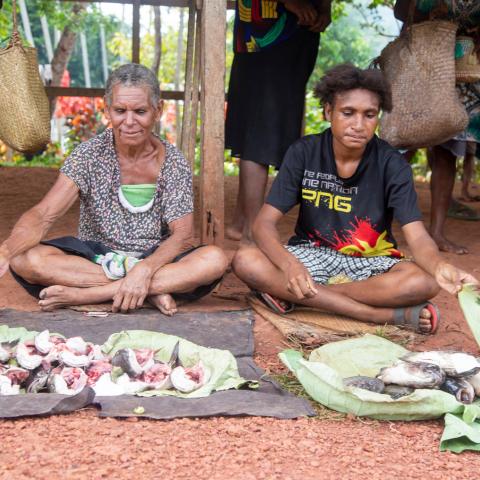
(420, 67)
(24, 106)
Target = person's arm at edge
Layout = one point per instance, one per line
(265, 234)
(427, 256)
(35, 223)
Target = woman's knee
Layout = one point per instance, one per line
(215, 258)
(27, 264)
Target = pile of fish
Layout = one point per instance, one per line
(51, 363)
(457, 373)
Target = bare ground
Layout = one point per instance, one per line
(81, 445)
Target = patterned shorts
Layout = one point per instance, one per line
(325, 264)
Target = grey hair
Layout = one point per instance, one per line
(133, 75)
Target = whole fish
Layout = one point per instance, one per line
(454, 364)
(474, 381)
(397, 391)
(459, 388)
(413, 374)
(367, 383)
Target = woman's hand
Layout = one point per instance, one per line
(299, 281)
(133, 288)
(451, 278)
(304, 10)
(321, 23)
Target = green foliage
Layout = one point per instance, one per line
(59, 15)
(314, 120)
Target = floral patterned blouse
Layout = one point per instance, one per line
(94, 168)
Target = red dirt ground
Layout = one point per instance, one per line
(81, 445)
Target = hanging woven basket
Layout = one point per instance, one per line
(24, 106)
(420, 67)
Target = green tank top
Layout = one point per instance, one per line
(139, 195)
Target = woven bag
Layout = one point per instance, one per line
(420, 67)
(24, 106)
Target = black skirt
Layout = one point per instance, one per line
(266, 98)
(88, 249)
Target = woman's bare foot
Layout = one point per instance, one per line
(445, 245)
(58, 296)
(165, 303)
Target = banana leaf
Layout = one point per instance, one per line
(469, 298)
(322, 377)
(15, 334)
(221, 364)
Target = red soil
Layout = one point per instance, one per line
(80, 445)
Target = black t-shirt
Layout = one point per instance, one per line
(352, 215)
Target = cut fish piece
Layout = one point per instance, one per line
(26, 359)
(43, 343)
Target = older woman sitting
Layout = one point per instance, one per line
(136, 216)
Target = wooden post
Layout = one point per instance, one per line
(136, 32)
(213, 26)
(187, 103)
(192, 139)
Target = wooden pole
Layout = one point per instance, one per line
(191, 141)
(178, 120)
(213, 26)
(189, 65)
(136, 32)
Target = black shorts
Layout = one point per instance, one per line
(88, 249)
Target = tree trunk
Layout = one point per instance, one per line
(157, 55)
(63, 52)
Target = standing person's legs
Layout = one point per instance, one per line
(443, 165)
(253, 183)
(264, 117)
(468, 169)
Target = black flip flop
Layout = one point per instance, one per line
(276, 304)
